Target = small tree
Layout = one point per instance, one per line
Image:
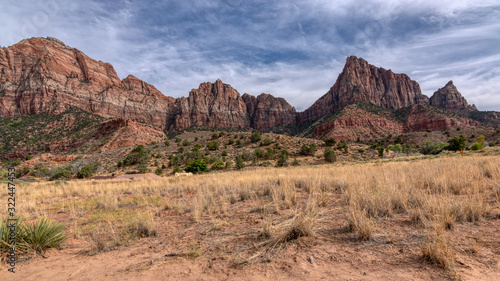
(239, 163)
(456, 144)
(159, 171)
(255, 137)
(196, 166)
(330, 156)
(380, 150)
(283, 159)
(213, 145)
(330, 141)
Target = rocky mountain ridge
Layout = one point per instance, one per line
(43, 75)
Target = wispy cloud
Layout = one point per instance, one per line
(293, 49)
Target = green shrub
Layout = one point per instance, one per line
(330, 141)
(230, 141)
(432, 148)
(177, 140)
(173, 160)
(270, 154)
(239, 143)
(259, 153)
(456, 144)
(88, 170)
(213, 145)
(29, 157)
(196, 166)
(266, 142)
(308, 149)
(380, 150)
(255, 137)
(217, 165)
(180, 150)
(476, 146)
(119, 164)
(295, 162)
(159, 171)
(283, 159)
(44, 234)
(229, 164)
(22, 171)
(138, 155)
(142, 168)
(239, 162)
(224, 153)
(167, 143)
(330, 156)
(186, 143)
(215, 136)
(60, 173)
(159, 155)
(361, 151)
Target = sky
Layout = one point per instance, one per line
(292, 49)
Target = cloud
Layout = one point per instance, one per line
(293, 49)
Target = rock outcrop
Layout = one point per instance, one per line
(450, 98)
(363, 82)
(266, 111)
(211, 105)
(43, 75)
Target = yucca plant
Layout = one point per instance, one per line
(20, 244)
(44, 234)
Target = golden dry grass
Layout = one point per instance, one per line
(434, 194)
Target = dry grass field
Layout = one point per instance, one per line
(425, 219)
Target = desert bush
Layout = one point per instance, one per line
(330, 156)
(283, 159)
(266, 142)
(217, 166)
(138, 155)
(255, 137)
(476, 146)
(380, 150)
(455, 144)
(196, 166)
(186, 143)
(213, 145)
(60, 173)
(239, 162)
(432, 148)
(44, 234)
(88, 170)
(142, 168)
(22, 171)
(330, 141)
(159, 171)
(167, 142)
(308, 149)
(259, 153)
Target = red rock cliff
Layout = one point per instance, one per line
(363, 82)
(450, 98)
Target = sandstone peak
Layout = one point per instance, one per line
(450, 98)
(363, 82)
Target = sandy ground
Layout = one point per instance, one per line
(335, 255)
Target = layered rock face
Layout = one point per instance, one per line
(125, 133)
(44, 75)
(450, 98)
(363, 82)
(354, 122)
(266, 111)
(211, 105)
